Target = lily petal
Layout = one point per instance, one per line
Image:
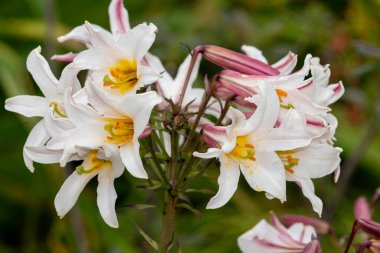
(107, 197)
(70, 190)
(228, 183)
(267, 174)
(29, 106)
(130, 156)
(119, 18)
(42, 75)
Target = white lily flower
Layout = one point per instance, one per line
(120, 127)
(316, 160)
(117, 66)
(107, 165)
(251, 145)
(276, 238)
(49, 106)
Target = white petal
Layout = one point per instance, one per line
(139, 108)
(307, 187)
(316, 160)
(165, 85)
(37, 138)
(112, 153)
(95, 59)
(303, 103)
(286, 64)
(278, 139)
(179, 80)
(146, 75)
(42, 75)
(43, 155)
(130, 156)
(69, 79)
(29, 106)
(254, 53)
(228, 182)
(100, 38)
(79, 114)
(56, 126)
(211, 153)
(266, 174)
(119, 19)
(70, 190)
(266, 113)
(89, 136)
(79, 34)
(107, 197)
(136, 42)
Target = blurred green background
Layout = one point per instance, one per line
(343, 33)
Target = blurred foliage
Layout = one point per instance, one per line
(343, 33)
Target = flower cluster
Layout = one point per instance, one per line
(281, 128)
(265, 121)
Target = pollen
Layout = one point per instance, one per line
(92, 163)
(123, 76)
(120, 131)
(288, 160)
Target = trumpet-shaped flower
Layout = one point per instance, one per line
(49, 106)
(250, 146)
(105, 163)
(276, 238)
(116, 65)
(121, 127)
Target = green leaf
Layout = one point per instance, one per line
(138, 206)
(191, 209)
(147, 238)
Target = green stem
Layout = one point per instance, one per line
(167, 230)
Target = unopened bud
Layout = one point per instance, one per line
(147, 131)
(361, 209)
(321, 226)
(232, 60)
(313, 247)
(375, 246)
(369, 226)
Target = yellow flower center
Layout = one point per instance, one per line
(281, 95)
(92, 163)
(58, 109)
(120, 130)
(243, 149)
(123, 76)
(288, 160)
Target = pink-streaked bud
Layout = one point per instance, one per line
(147, 131)
(321, 226)
(313, 247)
(369, 226)
(375, 246)
(361, 209)
(226, 87)
(232, 60)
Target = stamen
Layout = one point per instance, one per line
(57, 109)
(120, 130)
(123, 76)
(95, 164)
(288, 160)
(243, 149)
(281, 95)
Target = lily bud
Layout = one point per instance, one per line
(321, 226)
(369, 226)
(375, 246)
(313, 247)
(232, 60)
(361, 209)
